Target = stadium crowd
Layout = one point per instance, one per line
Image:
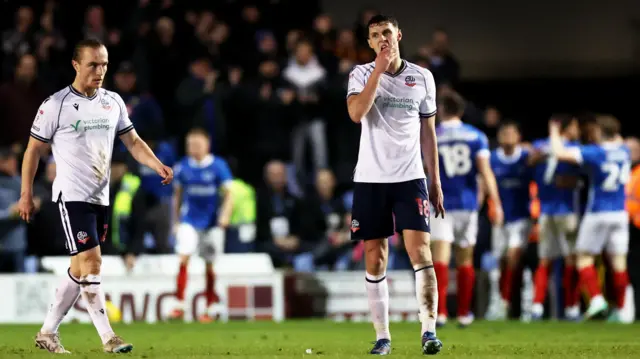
(266, 81)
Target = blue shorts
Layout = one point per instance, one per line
(376, 205)
(84, 225)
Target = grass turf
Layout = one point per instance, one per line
(337, 340)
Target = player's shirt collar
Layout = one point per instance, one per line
(77, 93)
(400, 70)
(508, 159)
(206, 161)
(451, 123)
(610, 144)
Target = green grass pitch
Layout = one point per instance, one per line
(337, 340)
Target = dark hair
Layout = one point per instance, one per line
(382, 19)
(565, 120)
(90, 43)
(199, 131)
(508, 123)
(451, 104)
(609, 125)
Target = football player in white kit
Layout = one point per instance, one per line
(80, 124)
(605, 225)
(395, 103)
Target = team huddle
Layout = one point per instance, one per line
(394, 101)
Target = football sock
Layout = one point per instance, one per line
(378, 294)
(94, 298)
(442, 275)
(540, 283)
(181, 282)
(620, 283)
(466, 278)
(210, 288)
(495, 287)
(571, 288)
(66, 296)
(507, 284)
(589, 281)
(427, 296)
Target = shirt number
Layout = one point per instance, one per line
(617, 174)
(456, 159)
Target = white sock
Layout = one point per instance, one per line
(95, 301)
(494, 285)
(66, 296)
(427, 296)
(378, 294)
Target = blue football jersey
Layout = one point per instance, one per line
(609, 168)
(513, 177)
(201, 184)
(554, 200)
(459, 144)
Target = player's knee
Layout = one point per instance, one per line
(464, 256)
(584, 261)
(184, 259)
(90, 262)
(376, 253)
(619, 262)
(513, 256)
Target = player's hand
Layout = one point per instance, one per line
(166, 173)
(437, 199)
(223, 222)
(384, 59)
(554, 125)
(498, 215)
(26, 207)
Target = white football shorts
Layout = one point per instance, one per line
(608, 231)
(557, 235)
(511, 235)
(206, 244)
(457, 227)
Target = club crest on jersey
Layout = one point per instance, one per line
(105, 104)
(410, 81)
(83, 237)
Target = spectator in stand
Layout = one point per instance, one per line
(491, 122)
(143, 110)
(306, 77)
(443, 64)
(19, 40)
(13, 231)
(279, 218)
(19, 101)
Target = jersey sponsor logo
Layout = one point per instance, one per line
(199, 190)
(355, 226)
(410, 81)
(82, 237)
(92, 125)
(76, 126)
(397, 102)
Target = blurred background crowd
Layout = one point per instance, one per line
(267, 81)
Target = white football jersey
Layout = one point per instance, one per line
(81, 131)
(390, 149)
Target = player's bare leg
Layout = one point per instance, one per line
(213, 301)
(376, 257)
(94, 298)
(181, 285)
(571, 289)
(67, 294)
(620, 284)
(441, 259)
(466, 279)
(419, 251)
(589, 282)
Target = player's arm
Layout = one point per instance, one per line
(226, 207)
(42, 131)
(177, 197)
(535, 157)
(361, 95)
(558, 150)
(487, 177)
(142, 153)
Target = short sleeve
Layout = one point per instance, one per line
(223, 172)
(428, 105)
(177, 175)
(124, 123)
(356, 81)
(588, 155)
(482, 146)
(46, 122)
